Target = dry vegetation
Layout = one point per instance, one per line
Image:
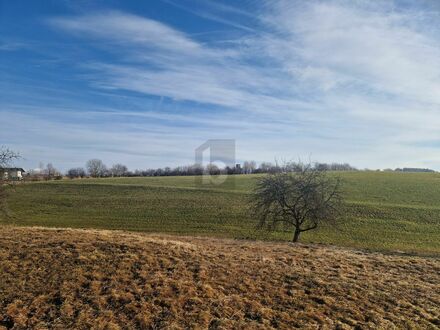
(110, 280)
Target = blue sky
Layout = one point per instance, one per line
(145, 83)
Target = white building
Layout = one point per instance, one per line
(11, 173)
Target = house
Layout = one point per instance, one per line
(11, 173)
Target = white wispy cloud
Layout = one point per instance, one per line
(376, 62)
(217, 12)
(123, 27)
(11, 46)
(192, 72)
(373, 49)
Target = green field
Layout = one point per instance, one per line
(383, 211)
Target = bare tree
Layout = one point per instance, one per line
(212, 169)
(266, 167)
(50, 171)
(300, 200)
(118, 170)
(249, 167)
(96, 168)
(7, 156)
(77, 172)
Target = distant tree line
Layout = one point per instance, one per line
(95, 168)
(413, 169)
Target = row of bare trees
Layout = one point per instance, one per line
(249, 167)
(96, 168)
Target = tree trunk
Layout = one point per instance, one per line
(296, 236)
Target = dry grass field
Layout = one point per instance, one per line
(81, 279)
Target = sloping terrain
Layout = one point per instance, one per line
(383, 212)
(65, 279)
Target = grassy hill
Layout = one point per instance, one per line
(90, 279)
(383, 211)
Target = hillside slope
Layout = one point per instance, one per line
(382, 212)
(110, 280)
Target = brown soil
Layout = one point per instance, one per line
(81, 279)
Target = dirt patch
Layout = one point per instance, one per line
(82, 279)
